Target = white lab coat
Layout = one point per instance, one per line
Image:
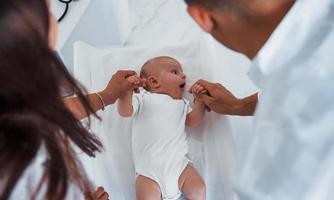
(291, 154)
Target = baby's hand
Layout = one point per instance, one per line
(196, 90)
(135, 80)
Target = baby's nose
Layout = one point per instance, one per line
(183, 76)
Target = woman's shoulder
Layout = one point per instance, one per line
(29, 186)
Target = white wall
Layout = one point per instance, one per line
(98, 22)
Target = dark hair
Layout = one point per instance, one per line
(209, 3)
(33, 116)
(222, 5)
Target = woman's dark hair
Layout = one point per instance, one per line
(33, 117)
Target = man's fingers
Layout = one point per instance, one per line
(206, 84)
(194, 88)
(191, 89)
(206, 98)
(203, 91)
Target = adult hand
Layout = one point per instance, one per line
(222, 101)
(100, 194)
(197, 89)
(119, 86)
(134, 80)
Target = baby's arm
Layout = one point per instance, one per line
(124, 103)
(195, 117)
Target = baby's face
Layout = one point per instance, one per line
(172, 79)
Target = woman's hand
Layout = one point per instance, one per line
(100, 194)
(119, 85)
(135, 80)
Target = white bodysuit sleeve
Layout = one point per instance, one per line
(187, 105)
(137, 103)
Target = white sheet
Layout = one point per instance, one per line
(213, 154)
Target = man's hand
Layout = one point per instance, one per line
(222, 101)
(119, 85)
(196, 90)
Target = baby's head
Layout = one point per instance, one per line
(164, 75)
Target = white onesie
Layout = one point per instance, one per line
(159, 140)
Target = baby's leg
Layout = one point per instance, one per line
(147, 189)
(191, 184)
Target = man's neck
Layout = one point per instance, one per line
(269, 16)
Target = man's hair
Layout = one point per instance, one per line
(235, 6)
(212, 4)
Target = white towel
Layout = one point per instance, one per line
(213, 154)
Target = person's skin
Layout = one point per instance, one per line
(117, 87)
(245, 29)
(100, 194)
(166, 77)
(190, 184)
(222, 101)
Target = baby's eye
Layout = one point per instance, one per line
(174, 71)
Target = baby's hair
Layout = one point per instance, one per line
(148, 65)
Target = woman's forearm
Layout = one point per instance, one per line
(75, 106)
(117, 87)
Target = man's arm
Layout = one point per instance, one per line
(247, 105)
(222, 101)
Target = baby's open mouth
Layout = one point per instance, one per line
(182, 85)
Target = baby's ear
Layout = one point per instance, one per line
(152, 82)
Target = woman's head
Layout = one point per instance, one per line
(24, 52)
(53, 28)
(32, 112)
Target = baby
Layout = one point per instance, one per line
(159, 139)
